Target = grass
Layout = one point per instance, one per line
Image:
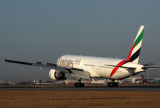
(78, 99)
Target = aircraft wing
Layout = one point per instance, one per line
(79, 73)
(38, 64)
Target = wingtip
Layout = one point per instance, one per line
(5, 60)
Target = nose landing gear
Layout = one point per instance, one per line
(79, 84)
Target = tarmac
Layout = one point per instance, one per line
(124, 88)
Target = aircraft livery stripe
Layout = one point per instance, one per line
(130, 52)
(135, 50)
(139, 39)
(116, 68)
(135, 55)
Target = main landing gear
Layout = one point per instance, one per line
(79, 83)
(112, 84)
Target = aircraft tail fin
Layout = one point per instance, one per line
(134, 53)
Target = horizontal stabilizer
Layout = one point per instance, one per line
(123, 66)
(151, 67)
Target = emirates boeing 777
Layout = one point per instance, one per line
(85, 67)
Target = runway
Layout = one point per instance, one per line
(125, 88)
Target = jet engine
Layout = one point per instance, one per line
(56, 75)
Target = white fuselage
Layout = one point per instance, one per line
(99, 66)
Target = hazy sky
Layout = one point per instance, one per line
(43, 30)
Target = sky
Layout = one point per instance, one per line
(44, 30)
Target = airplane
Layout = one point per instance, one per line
(150, 81)
(142, 81)
(85, 67)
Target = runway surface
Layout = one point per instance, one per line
(126, 88)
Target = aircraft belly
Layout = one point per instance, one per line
(121, 73)
(91, 70)
(104, 72)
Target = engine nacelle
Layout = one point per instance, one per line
(56, 75)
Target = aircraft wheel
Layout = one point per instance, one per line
(79, 84)
(112, 84)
